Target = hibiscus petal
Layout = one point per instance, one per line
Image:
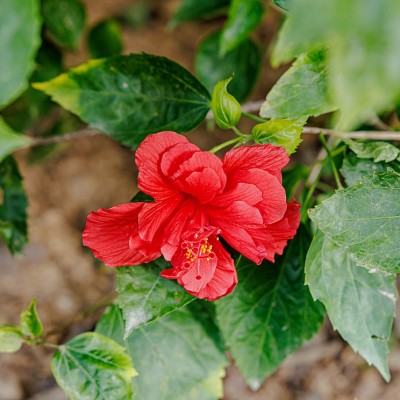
(246, 192)
(108, 233)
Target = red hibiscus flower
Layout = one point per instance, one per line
(198, 198)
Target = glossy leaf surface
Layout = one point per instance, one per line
(10, 140)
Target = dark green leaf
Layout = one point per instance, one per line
(190, 10)
(271, 313)
(175, 357)
(19, 41)
(243, 62)
(364, 221)
(142, 197)
(363, 55)
(129, 97)
(10, 140)
(30, 324)
(92, 366)
(360, 305)
(65, 20)
(292, 178)
(13, 227)
(10, 339)
(379, 151)
(144, 295)
(105, 39)
(284, 4)
(301, 91)
(243, 17)
(280, 132)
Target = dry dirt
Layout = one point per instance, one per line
(97, 172)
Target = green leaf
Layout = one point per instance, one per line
(10, 140)
(19, 41)
(175, 357)
(129, 97)
(10, 339)
(30, 324)
(243, 62)
(301, 91)
(105, 39)
(270, 314)
(379, 151)
(65, 20)
(360, 305)
(243, 17)
(292, 178)
(284, 4)
(225, 107)
(280, 132)
(92, 366)
(190, 10)
(141, 197)
(145, 296)
(363, 51)
(364, 221)
(13, 227)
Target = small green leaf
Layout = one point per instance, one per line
(130, 96)
(243, 17)
(379, 151)
(19, 41)
(280, 132)
(30, 324)
(301, 91)
(145, 296)
(65, 20)
(11, 140)
(360, 304)
(175, 356)
(364, 221)
(225, 107)
(10, 339)
(13, 227)
(92, 366)
(191, 10)
(284, 4)
(271, 313)
(141, 197)
(105, 39)
(243, 62)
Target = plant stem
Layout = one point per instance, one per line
(254, 117)
(226, 144)
(334, 169)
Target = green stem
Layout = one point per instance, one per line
(334, 169)
(254, 117)
(226, 144)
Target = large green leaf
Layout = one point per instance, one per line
(30, 324)
(175, 356)
(13, 227)
(243, 17)
(379, 151)
(361, 305)
(19, 41)
(190, 10)
(301, 91)
(10, 140)
(363, 57)
(92, 366)
(144, 295)
(364, 220)
(65, 20)
(270, 314)
(130, 96)
(243, 62)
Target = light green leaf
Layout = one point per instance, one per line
(30, 324)
(175, 356)
(361, 305)
(225, 107)
(145, 296)
(364, 221)
(10, 140)
(92, 366)
(130, 96)
(65, 20)
(301, 91)
(379, 151)
(19, 41)
(280, 132)
(270, 314)
(363, 51)
(243, 17)
(13, 226)
(10, 339)
(243, 62)
(284, 4)
(105, 39)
